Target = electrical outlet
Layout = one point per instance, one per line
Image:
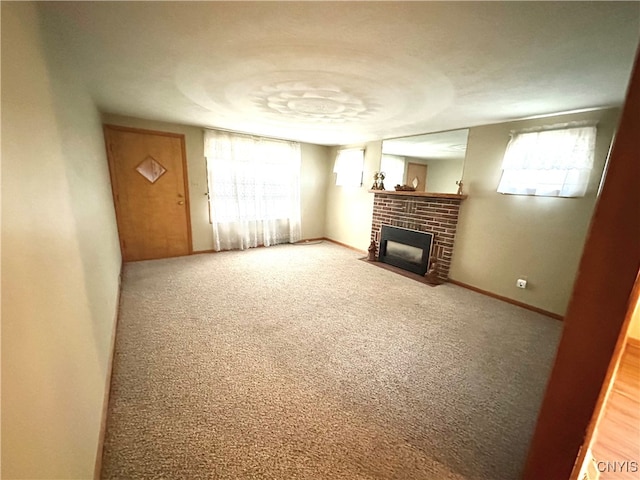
(521, 283)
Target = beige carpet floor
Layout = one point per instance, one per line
(301, 362)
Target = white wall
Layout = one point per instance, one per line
(350, 209)
(442, 174)
(313, 179)
(60, 259)
(503, 237)
(500, 237)
(313, 185)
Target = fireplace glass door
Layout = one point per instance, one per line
(404, 248)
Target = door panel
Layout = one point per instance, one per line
(418, 171)
(149, 183)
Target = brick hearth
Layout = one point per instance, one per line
(437, 215)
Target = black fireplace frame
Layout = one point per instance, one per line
(414, 238)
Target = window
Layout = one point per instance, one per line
(254, 190)
(393, 168)
(348, 167)
(554, 163)
(255, 186)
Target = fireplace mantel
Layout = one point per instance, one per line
(451, 196)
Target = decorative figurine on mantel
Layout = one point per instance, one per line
(372, 251)
(378, 181)
(459, 183)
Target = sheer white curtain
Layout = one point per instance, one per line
(254, 190)
(549, 162)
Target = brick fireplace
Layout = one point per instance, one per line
(424, 212)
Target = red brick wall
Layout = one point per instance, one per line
(426, 214)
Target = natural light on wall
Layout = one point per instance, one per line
(348, 167)
(393, 168)
(554, 163)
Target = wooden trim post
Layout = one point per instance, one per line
(598, 306)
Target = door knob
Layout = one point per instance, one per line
(180, 202)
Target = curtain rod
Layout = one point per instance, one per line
(249, 135)
(556, 126)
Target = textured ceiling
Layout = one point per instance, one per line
(346, 72)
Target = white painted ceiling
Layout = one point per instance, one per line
(346, 72)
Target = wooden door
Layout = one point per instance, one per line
(598, 315)
(417, 171)
(149, 183)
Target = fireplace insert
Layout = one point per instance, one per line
(404, 248)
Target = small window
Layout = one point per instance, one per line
(348, 167)
(552, 163)
(393, 168)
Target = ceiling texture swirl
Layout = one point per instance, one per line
(337, 73)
